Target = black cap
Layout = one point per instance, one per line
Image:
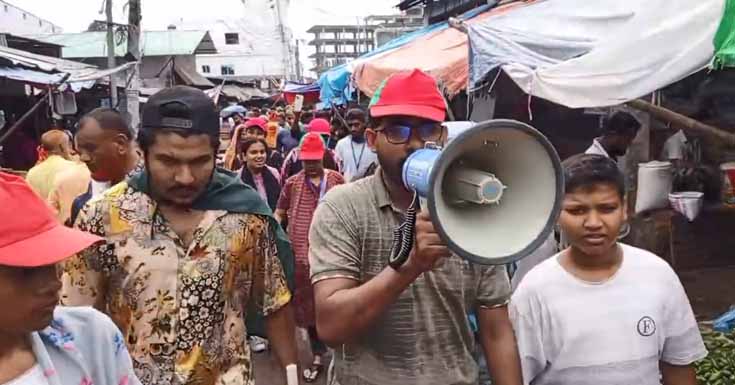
(182, 108)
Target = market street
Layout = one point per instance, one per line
(384, 192)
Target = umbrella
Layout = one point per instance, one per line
(232, 110)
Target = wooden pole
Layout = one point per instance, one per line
(133, 89)
(684, 122)
(111, 53)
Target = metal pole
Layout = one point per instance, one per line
(111, 53)
(133, 89)
(286, 50)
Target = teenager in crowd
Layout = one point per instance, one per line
(601, 311)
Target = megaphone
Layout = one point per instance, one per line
(494, 191)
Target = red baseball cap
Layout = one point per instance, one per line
(412, 93)
(31, 236)
(312, 147)
(256, 122)
(319, 126)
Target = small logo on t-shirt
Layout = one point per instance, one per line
(646, 326)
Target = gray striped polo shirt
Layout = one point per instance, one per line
(424, 337)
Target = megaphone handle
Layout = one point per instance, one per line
(403, 236)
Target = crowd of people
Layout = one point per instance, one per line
(186, 261)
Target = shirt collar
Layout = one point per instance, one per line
(596, 143)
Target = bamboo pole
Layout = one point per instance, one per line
(684, 122)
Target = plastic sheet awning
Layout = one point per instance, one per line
(45, 70)
(443, 53)
(580, 53)
(336, 86)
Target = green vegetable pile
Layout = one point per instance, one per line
(718, 368)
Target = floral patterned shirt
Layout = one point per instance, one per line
(181, 308)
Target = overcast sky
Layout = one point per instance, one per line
(75, 15)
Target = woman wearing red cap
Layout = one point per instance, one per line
(299, 198)
(41, 343)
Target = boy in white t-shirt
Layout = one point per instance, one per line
(601, 312)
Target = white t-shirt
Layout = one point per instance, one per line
(675, 147)
(573, 332)
(34, 376)
(355, 158)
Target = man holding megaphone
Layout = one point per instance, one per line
(404, 324)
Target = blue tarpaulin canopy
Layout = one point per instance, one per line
(335, 83)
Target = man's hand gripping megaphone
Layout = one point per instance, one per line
(416, 244)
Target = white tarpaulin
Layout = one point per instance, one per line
(582, 53)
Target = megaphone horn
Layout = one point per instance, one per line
(494, 192)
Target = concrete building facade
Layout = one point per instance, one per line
(339, 44)
(17, 21)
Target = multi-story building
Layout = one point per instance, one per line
(338, 44)
(20, 22)
(441, 10)
(392, 26)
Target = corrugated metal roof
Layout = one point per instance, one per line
(32, 68)
(155, 43)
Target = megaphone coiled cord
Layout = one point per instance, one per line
(404, 235)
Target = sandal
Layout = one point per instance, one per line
(311, 374)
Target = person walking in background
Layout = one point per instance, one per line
(106, 145)
(339, 131)
(68, 185)
(619, 132)
(186, 248)
(353, 154)
(257, 174)
(289, 139)
(40, 342)
(300, 197)
(254, 128)
(292, 165)
(54, 156)
(602, 312)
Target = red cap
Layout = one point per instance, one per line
(412, 93)
(312, 147)
(31, 236)
(319, 126)
(256, 122)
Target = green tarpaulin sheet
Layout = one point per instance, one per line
(725, 38)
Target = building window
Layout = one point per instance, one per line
(40, 23)
(206, 69)
(232, 39)
(25, 16)
(228, 69)
(5, 7)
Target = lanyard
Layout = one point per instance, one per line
(322, 186)
(354, 158)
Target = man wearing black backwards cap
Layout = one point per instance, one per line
(188, 248)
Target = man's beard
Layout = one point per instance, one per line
(358, 138)
(161, 195)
